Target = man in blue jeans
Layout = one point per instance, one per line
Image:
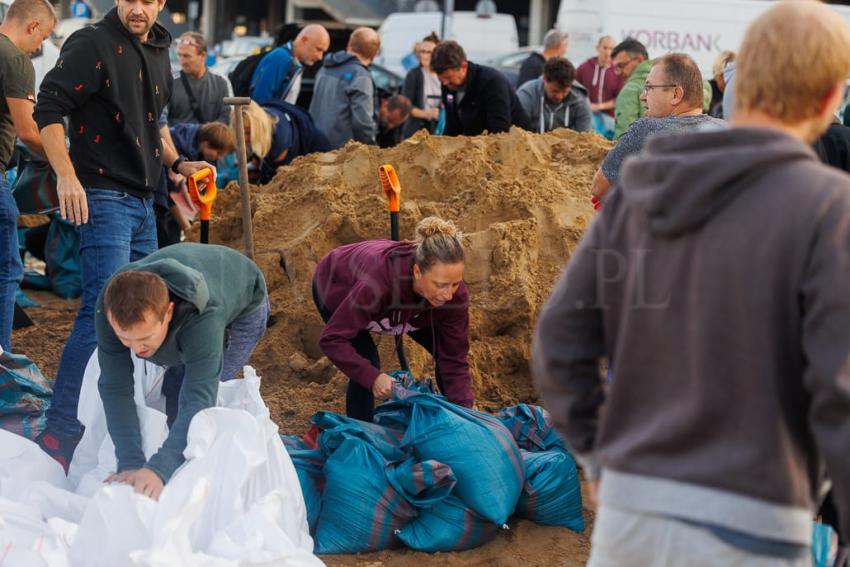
(27, 24)
(112, 80)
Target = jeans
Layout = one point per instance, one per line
(359, 401)
(242, 337)
(121, 229)
(11, 268)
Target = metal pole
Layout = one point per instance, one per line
(448, 14)
(242, 157)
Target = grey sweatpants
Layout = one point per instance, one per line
(629, 539)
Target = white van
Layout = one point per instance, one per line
(700, 28)
(482, 36)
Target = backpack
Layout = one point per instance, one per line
(240, 77)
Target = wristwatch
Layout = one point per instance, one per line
(176, 164)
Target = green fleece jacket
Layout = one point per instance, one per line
(211, 287)
(629, 107)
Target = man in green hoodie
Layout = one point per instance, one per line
(631, 60)
(201, 307)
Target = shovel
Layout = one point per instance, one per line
(202, 191)
(392, 189)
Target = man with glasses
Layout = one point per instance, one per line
(631, 62)
(198, 93)
(673, 94)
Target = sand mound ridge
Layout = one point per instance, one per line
(521, 199)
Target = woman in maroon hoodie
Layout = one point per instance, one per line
(395, 288)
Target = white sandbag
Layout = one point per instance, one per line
(94, 458)
(236, 500)
(22, 458)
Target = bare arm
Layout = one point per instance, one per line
(72, 197)
(607, 105)
(25, 127)
(601, 185)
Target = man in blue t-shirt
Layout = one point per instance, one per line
(278, 75)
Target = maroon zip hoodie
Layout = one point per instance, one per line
(369, 285)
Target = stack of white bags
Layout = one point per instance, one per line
(236, 500)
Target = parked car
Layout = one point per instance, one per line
(509, 63)
(483, 36)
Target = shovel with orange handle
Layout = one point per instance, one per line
(392, 189)
(202, 191)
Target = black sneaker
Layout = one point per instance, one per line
(60, 446)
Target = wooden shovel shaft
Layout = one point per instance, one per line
(242, 158)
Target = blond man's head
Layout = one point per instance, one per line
(792, 59)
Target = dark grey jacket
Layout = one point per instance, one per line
(344, 105)
(715, 282)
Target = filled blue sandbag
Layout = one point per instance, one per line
(823, 550)
(337, 428)
(361, 508)
(531, 427)
(449, 525)
(478, 448)
(308, 464)
(552, 492)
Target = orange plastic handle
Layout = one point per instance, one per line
(202, 190)
(391, 186)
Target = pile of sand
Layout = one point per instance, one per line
(521, 199)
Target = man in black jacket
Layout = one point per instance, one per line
(112, 79)
(477, 99)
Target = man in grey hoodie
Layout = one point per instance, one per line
(715, 280)
(345, 105)
(555, 100)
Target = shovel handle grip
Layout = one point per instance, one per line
(202, 190)
(391, 187)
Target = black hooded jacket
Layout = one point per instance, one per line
(113, 88)
(489, 103)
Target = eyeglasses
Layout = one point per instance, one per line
(647, 87)
(622, 65)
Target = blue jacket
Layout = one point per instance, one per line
(186, 140)
(271, 72)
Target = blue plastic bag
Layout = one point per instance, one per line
(62, 255)
(25, 395)
(478, 448)
(449, 525)
(823, 553)
(337, 428)
(531, 427)
(361, 509)
(308, 463)
(552, 492)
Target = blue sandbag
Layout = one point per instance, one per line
(25, 395)
(447, 526)
(337, 428)
(308, 464)
(552, 492)
(479, 449)
(531, 427)
(822, 548)
(360, 509)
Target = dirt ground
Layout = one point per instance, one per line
(522, 201)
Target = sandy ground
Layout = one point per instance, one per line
(522, 201)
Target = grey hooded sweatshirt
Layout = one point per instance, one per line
(715, 281)
(543, 116)
(344, 105)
